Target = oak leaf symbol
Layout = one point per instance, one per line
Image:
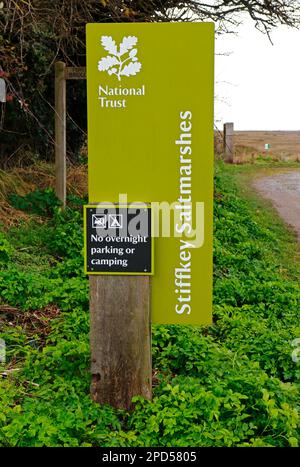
(107, 62)
(131, 69)
(122, 60)
(127, 44)
(109, 45)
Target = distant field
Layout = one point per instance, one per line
(284, 145)
(285, 142)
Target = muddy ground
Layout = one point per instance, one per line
(283, 190)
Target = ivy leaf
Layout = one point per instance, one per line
(107, 62)
(109, 45)
(131, 69)
(127, 43)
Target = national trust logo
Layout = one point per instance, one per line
(121, 59)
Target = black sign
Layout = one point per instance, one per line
(118, 239)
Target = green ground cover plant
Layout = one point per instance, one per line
(231, 384)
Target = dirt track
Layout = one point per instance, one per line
(284, 191)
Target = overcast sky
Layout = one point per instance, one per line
(258, 85)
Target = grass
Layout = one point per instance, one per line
(286, 247)
(39, 176)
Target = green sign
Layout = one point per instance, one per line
(150, 140)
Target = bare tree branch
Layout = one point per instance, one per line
(35, 33)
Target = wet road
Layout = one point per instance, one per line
(283, 190)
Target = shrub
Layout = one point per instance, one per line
(40, 202)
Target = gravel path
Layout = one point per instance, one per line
(284, 191)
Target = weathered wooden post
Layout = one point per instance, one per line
(2, 88)
(60, 132)
(62, 73)
(228, 142)
(120, 333)
(120, 339)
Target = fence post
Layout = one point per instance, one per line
(60, 132)
(228, 142)
(120, 336)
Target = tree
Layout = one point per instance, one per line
(266, 13)
(36, 33)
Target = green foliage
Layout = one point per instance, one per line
(246, 331)
(231, 384)
(256, 307)
(186, 413)
(67, 239)
(75, 202)
(5, 249)
(40, 202)
(32, 290)
(64, 283)
(222, 373)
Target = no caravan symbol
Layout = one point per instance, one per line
(112, 221)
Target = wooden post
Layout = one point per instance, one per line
(228, 142)
(120, 339)
(60, 132)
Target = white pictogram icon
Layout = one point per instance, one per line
(122, 60)
(99, 221)
(115, 221)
